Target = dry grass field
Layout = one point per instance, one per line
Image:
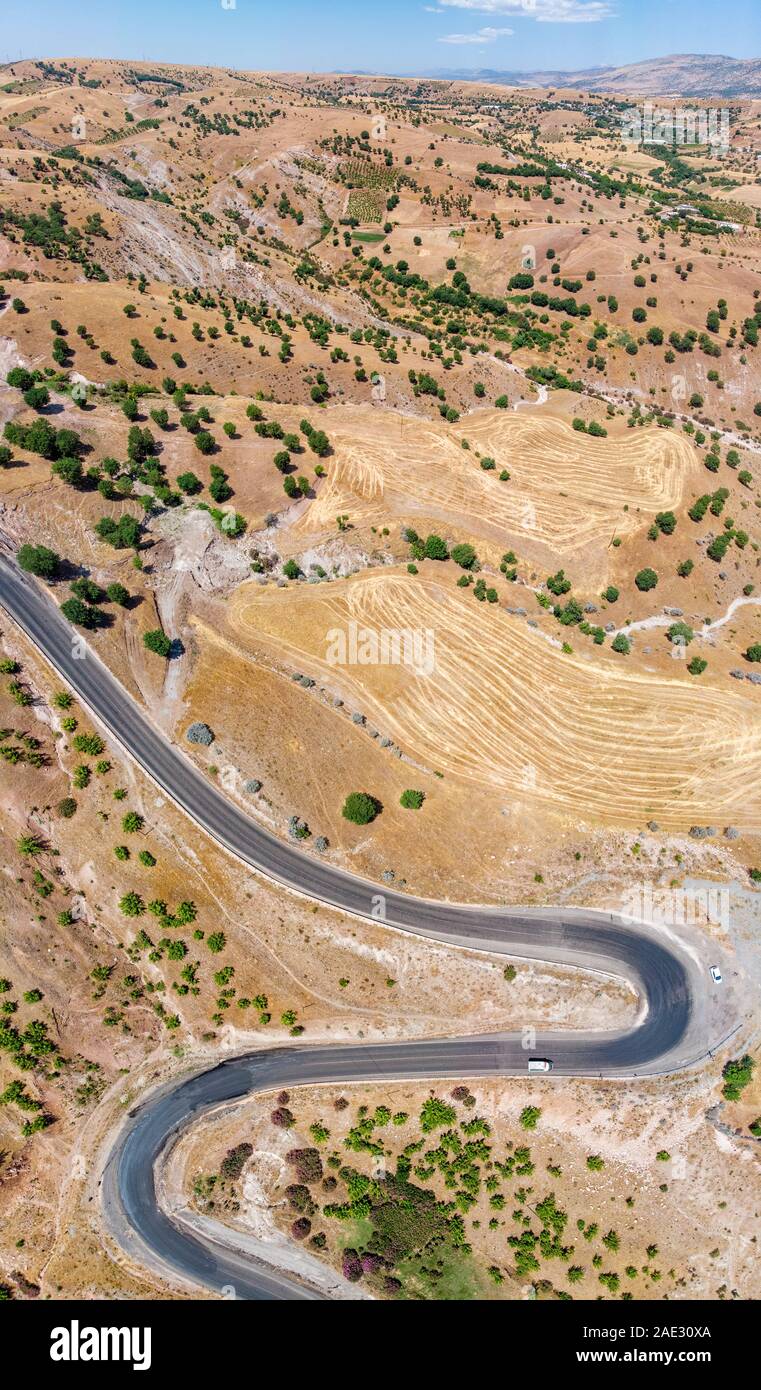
(506, 710)
(566, 496)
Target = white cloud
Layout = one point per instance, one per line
(543, 11)
(487, 35)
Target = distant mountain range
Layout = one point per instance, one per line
(680, 74)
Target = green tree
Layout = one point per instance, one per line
(189, 483)
(158, 642)
(464, 555)
(319, 443)
(37, 559)
(205, 442)
(646, 579)
(360, 808)
(435, 549)
(81, 614)
(412, 800)
(132, 905)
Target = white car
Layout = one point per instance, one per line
(716, 975)
(539, 1064)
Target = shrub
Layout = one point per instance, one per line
(680, 633)
(91, 744)
(132, 905)
(201, 734)
(646, 579)
(360, 808)
(37, 559)
(189, 483)
(81, 614)
(20, 378)
(529, 1116)
(412, 800)
(464, 555)
(621, 644)
(158, 642)
(234, 1161)
(87, 590)
(435, 549)
(319, 443)
(736, 1075)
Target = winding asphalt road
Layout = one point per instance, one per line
(666, 980)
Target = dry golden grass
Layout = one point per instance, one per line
(566, 494)
(507, 710)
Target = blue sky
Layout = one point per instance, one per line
(381, 35)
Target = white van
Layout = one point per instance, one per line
(539, 1064)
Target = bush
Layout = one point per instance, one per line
(189, 484)
(20, 378)
(529, 1116)
(81, 614)
(234, 1161)
(132, 905)
(737, 1074)
(37, 397)
(360, 808)
(87, 590)
(435, 549)
(464, 555)
(69, 470)
(621, 644)
(319, 443)
(158, 642)
(680, 633)
(201, 734)
(37, 559)
(412, 800)
(91, 744)
(645, 580)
